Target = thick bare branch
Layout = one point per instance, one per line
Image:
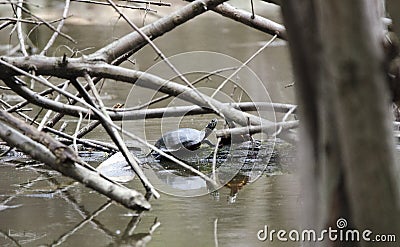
(64, 160)
(245, 17)
(165, 58)
(227, 133)
(133, 42)
(120, 114)
(76, 67)
(114, 134)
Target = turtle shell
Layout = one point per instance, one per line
(185, 138)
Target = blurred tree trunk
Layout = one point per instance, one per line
(347, 151)
(393, 8)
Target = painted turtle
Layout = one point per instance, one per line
(185, 139)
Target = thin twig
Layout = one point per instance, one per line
(226, 133)
(21, 104)
(6, 24)
(165, 59)
(7, 151)
(78, 125)
(252, 10)
(19, 28)
(117, 52)
(243, 65)
(132, 161)
(40, 146)
(122, 48)
(12, 239)
(47, 24)
(214, 162)
(59, 27)
(88, 128)
(53, 67)
(285, 117)
(90, 143)
(48, 113)
(99, 114)
(28, 21)
(167, 96)
(119, 5)
(150, 2)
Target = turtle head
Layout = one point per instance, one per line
(210, 126)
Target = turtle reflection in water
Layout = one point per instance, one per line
(235, 185)
(182, 141)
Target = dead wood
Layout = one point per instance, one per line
(46, 149)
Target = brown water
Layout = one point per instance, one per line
(41, 214)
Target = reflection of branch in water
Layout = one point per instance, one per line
(130, 228)
(66, 195)
(137, 239)
(128, 236)
(23, 188)
(216, 232)
(7, 236)
(64, 237)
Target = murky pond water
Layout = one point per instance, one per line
(40, 207)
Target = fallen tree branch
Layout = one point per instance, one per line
(105, 121)
(59, 27)
(258, 22)
(228, 133)
(121, 114)
(167, 96)
(21, 88)
(44, 22)
(276, 2)
(119, 5)
(18, 26)
(165, 58)
(116, 137)
(63, 159)
(179, 111)
(10, 81)
(102, 146)
(243, 65)
(132, 42)
(77, 68)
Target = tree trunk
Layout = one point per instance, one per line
(348, 159)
